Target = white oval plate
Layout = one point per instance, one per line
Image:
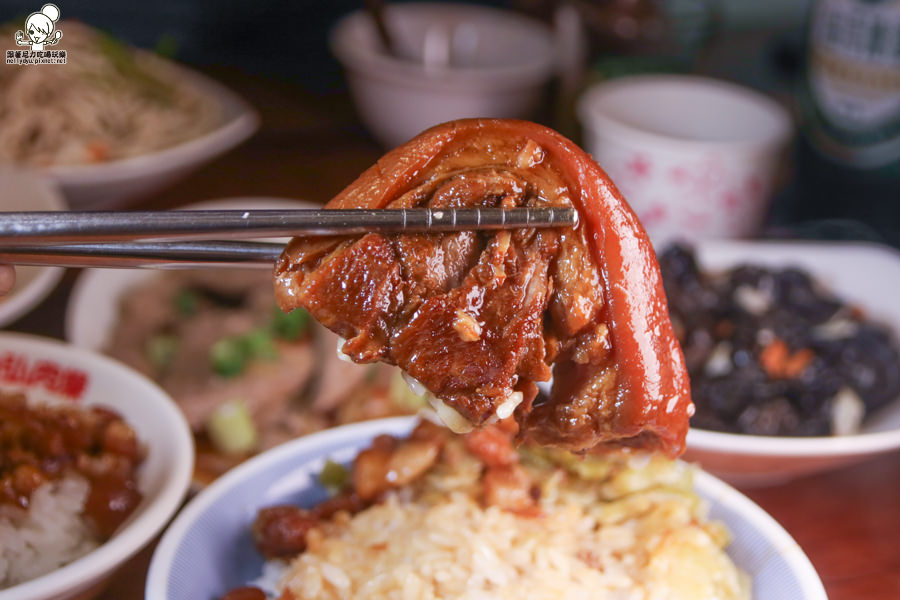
(93, 307)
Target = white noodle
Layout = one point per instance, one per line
(91, 110)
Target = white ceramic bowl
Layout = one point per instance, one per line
(460, 61)
(116, 183)
(695, 157)
(93, 308)
(866, 275)
(24, 190)
(164, 475)
(208, 549)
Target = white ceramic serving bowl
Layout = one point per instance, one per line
(118, 182)
(26, 190)
(865, 275)
(93, 308)
(695, 157)
(164, 474)
(208, 549)
(459, 61)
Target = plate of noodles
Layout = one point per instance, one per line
(114, 123)
(471, 517)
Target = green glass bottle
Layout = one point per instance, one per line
(853, 78)
(848, 157)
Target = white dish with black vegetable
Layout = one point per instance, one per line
(866, 278)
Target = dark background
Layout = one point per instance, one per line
(283, 39)
(759, 43)
(288, 38)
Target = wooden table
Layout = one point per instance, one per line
(847, 521)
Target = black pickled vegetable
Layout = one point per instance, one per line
(770, 352)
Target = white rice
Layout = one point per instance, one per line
(49, 534)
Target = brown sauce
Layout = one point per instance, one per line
(43, 443)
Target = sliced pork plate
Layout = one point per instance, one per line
(478, 317)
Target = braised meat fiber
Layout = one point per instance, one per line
(479, 317)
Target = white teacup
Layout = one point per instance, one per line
(458, 60)
(694, 157)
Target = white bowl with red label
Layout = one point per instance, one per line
(50, 371)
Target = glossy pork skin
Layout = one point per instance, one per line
(476, 317)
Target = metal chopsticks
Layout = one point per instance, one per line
(31, 227)
(152, 255)
(105, 239)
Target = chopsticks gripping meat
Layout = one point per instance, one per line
(478, 318)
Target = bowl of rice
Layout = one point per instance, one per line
(94, 461)
(401, 508)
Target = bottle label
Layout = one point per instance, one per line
(854, 75)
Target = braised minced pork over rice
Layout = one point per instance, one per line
(68, 480)
(593, 528)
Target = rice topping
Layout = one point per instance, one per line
(480, 522)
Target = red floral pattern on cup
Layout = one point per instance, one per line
(690, 196)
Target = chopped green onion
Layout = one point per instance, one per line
(231, 428)
(228, 356)
(186, 302)
(160, 350)
(290, 326)
(259, 344)
(334, 477)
